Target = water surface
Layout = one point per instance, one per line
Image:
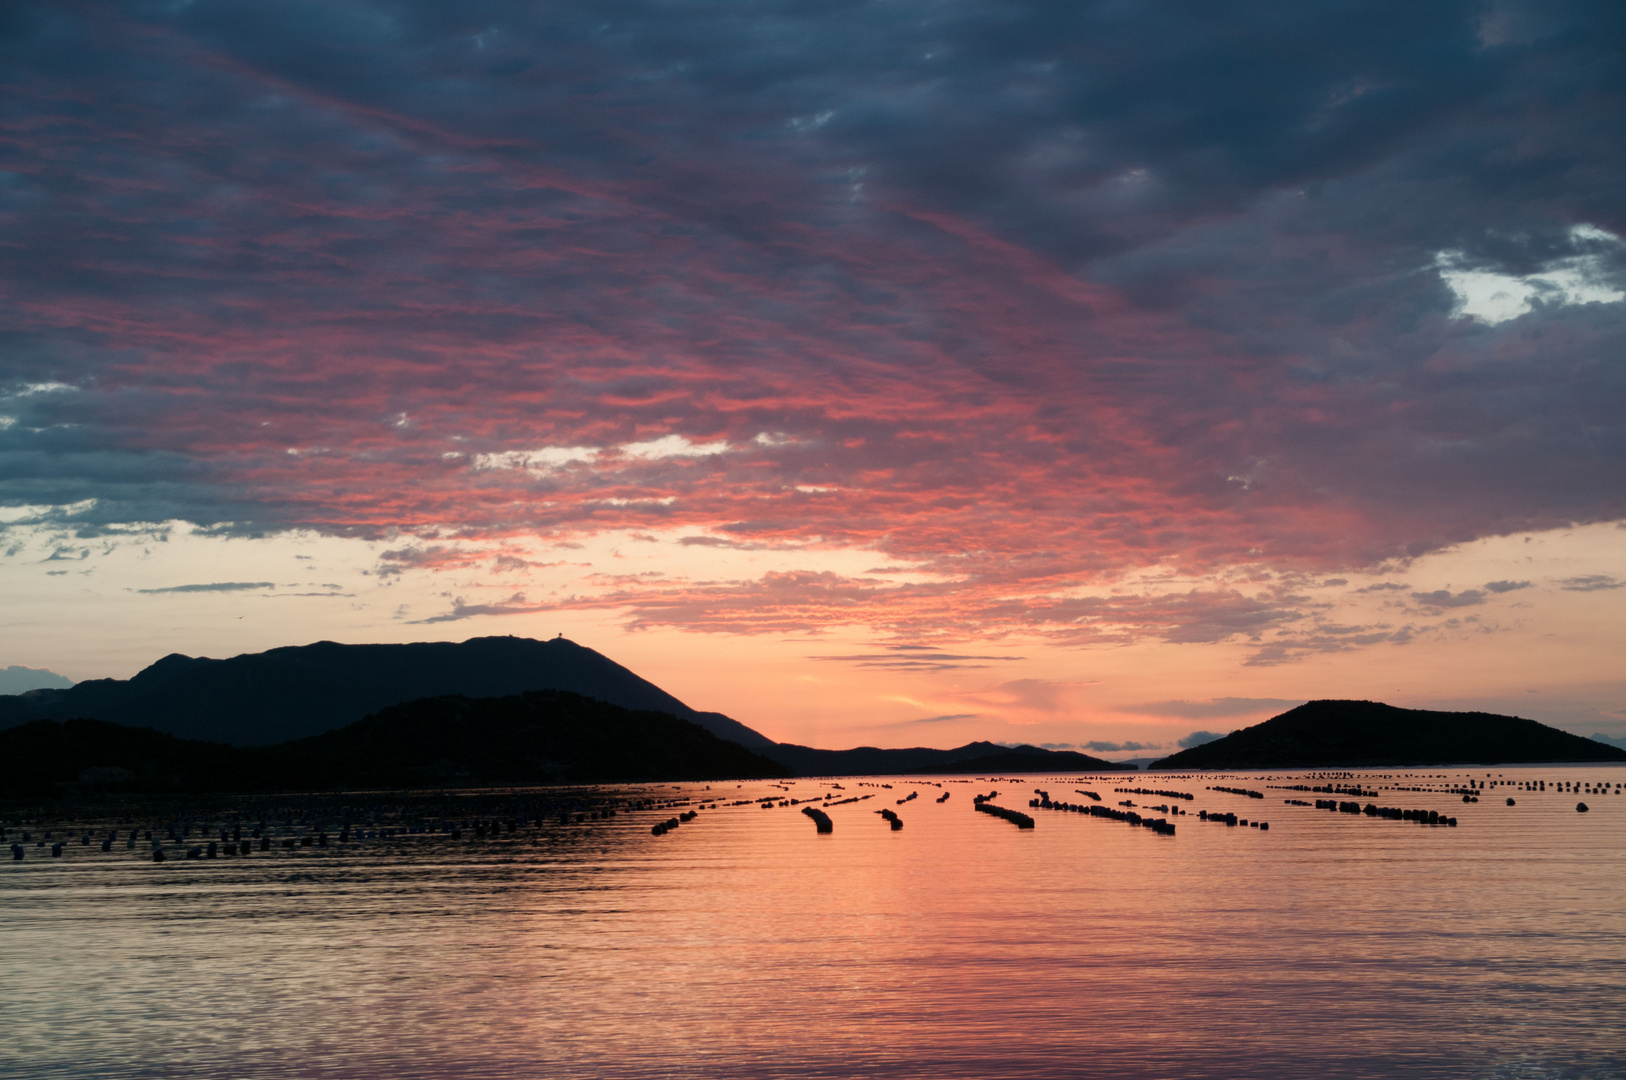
(743, 944)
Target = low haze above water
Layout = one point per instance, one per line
(744, 944)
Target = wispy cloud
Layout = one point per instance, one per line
(213, 587)
(1445, 598)
(1223, 706)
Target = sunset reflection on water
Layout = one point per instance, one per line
(743, 944)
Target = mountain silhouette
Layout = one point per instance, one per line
(972, 757)
(1343, 734)
(540, 737)
(258, 699)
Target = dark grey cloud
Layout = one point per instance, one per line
(1506, 586)
(461, 609)
(1198, 738)
(1591, 583)
(213, 587)
(1102, 747)
(1445, 598)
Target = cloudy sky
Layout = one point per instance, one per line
(891, 371)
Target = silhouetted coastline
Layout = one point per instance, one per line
(1361, 734)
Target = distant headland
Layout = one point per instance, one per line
(490, 710)
(1353, 734)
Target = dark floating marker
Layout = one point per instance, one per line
(821, 819)
(891, 819)
(17, 852)
(1020, 820)
(56, 850)
(1580, 807)
(1510, 802)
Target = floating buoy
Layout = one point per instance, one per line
(820, 819)
(1581, 807)
(1510, 802)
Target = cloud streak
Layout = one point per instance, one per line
(211, 587)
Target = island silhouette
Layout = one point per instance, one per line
(1355, 734)
(511, 710)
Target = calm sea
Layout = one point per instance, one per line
(744, 944)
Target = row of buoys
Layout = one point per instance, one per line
(1325, 789)
(911, 795)
(1157, 825)
(944, 797)
(664, 827)
(1394, 813)
(891, 819)
(1015, 817)
(1088, 794)
(1240, 791)
(1232, 820)
(1154, 791)
(820, 819)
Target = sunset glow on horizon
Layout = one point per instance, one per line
(891, 374)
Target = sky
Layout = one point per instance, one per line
(888, 372)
